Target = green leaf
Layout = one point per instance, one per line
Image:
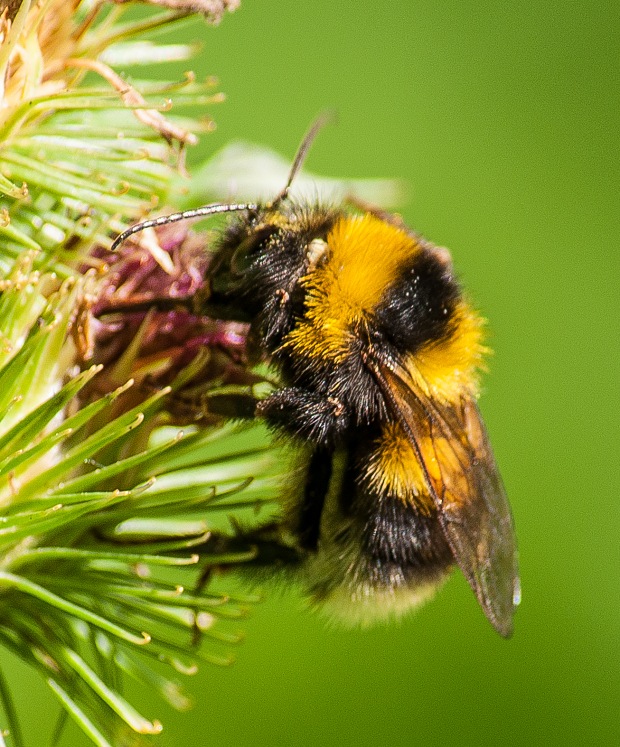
(46, 554)
(102, 475)
(78, 715)
(26, 586)
(10, 712)
(33, 424)
(91, 446)
(118, 704)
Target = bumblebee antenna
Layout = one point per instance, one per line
(318, 124)
(199, 212)
(217, 208)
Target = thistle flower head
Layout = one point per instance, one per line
(119, 509)
(107, 507)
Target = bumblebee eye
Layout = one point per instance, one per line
(245, 254)
(240, 260)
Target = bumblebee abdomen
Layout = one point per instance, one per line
(368, 554)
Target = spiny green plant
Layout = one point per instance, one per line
(116, 484)
(104, 509)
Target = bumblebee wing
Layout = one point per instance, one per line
(462, 477)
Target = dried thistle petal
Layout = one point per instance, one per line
(146, 321)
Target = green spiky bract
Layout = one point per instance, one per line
(106, 506)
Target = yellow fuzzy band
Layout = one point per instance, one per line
(394, 470)
(364, 257)
(447, 369)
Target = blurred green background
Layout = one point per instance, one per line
(503, 119)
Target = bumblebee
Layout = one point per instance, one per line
(378, 354)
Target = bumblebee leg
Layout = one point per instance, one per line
(306, 414)
(262, 547)
(308, 519)
(210, 408)
(236, 406)
(259, 553)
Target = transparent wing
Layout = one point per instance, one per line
(458, 463)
